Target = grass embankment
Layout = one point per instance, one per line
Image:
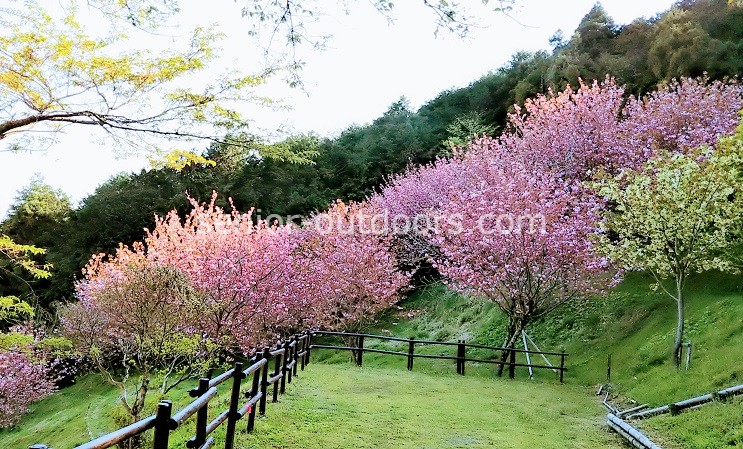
(78, 414)
(634, 325)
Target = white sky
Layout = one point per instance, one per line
(366, 66)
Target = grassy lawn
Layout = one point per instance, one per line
(341, 406)
(67, 418)
(77, 414)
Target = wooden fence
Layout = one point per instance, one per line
(460, 357)
(287, 356)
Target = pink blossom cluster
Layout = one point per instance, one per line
(575, 132)
(259, 281)
(527, 273)
(22, 381)
(353, 275)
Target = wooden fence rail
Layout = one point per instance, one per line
(288, 356)
(460, 357)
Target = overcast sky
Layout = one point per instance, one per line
(367, 65)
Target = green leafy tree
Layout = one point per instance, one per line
(14, 256)
(37, 219)
(13, 309)
(677, 216)
(465, 128)
(681, 47)
(36, 214)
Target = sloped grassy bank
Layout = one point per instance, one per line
(634, 325)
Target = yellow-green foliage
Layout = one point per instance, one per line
(22, 255)
(678, 214)
(179, 159)
(12, 308)
(15, 341)
(53, 72)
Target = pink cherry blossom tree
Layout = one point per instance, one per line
(681, 117)
(22, 381)
(520, 238)
(349, 271)
(135, 319)
(240, 266)
(410, 200)
(572, 132)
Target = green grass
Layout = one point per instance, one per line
(634, 325)
(713, 426)
(343, 406)
(77, 414)
(69, 417)
(340, 406)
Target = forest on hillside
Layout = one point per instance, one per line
(696, 38)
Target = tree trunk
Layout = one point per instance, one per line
(515, 326)
(351, 342)
(135, 411)
(677, 343)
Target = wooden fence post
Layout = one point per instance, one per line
(512, 364)
(309, 347)
(290, 358)
(411, 350)
(562, 366)
(201, 416)
(295, 357)
(304, 349)
(162, 425)
(276, 372)
(237, 376)
(253, 393)
(459, 354)
(360, 358)
(264, 380)
(284, 369)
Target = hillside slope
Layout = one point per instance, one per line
(635, 326)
